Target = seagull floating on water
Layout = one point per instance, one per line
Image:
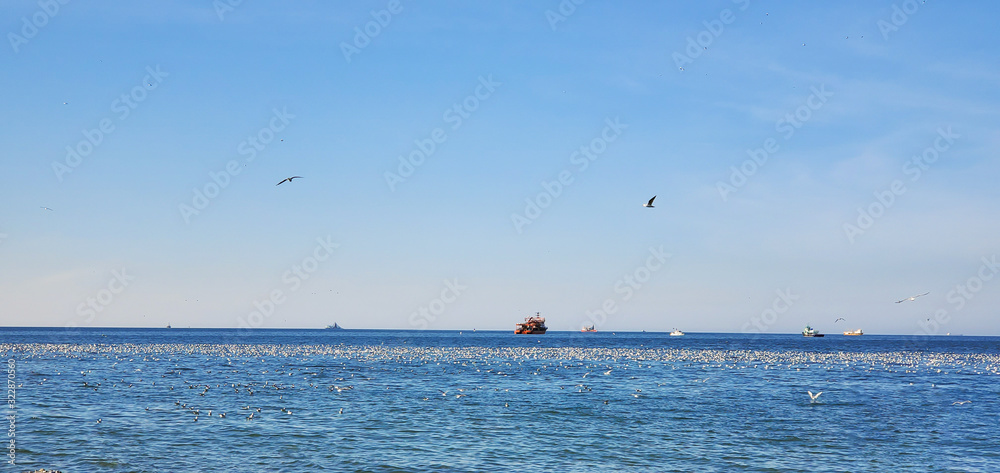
(814, 397)
(912, 297)
(288, 179)
(650, 203)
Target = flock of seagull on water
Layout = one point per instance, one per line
(236, 382)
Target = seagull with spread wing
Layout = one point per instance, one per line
(912, 298)
(650, 203)
(288, 179)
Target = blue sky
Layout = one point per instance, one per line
(879, 121)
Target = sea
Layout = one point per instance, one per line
(197, 400)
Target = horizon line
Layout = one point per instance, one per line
(69, 329)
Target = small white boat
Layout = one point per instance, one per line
(676, 333)
(811, 332)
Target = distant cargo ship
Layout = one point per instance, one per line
(532, 325)
(854, 332)
(334, 327)
(589, 328)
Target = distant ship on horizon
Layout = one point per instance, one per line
(533, 325)
(811, 332)
(334, 327)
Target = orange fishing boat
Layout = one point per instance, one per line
(531, 325)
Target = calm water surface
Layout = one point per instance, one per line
(122, 400)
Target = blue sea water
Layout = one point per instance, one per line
(138, 400)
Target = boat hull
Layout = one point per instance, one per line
(530, 331)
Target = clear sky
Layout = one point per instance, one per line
(466, 164)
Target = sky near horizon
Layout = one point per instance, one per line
(467, 164)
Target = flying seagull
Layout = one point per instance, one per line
(288, 179)
(46, 208)
(912, 298)
(650, 203)
(813, 397)
(839, 319)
